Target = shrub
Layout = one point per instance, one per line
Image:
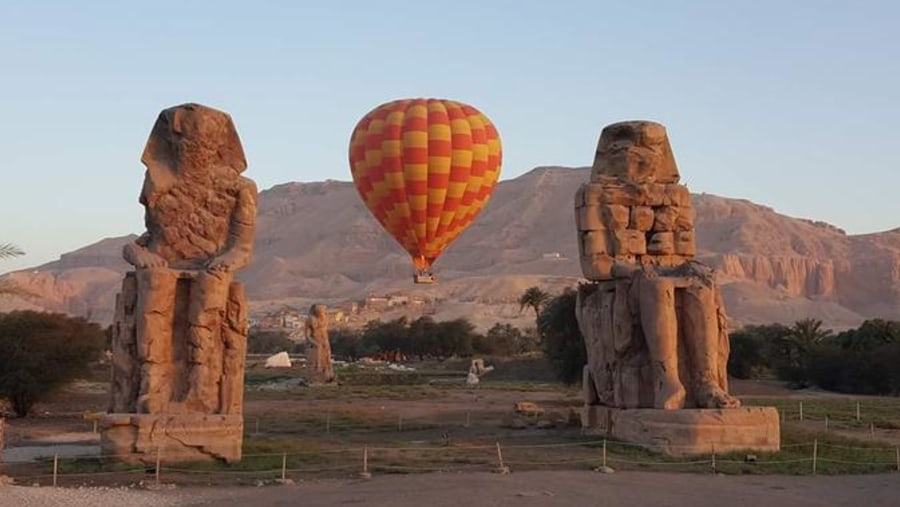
(40, 352)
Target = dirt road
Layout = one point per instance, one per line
(523, 489)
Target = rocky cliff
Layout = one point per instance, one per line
(316, 241)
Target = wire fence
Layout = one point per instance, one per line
(365, 461)
(291, 447)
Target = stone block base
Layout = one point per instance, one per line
(136, 438)
(688, 431)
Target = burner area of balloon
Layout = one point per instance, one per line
(425, 168)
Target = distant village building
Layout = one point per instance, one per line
(553, 256)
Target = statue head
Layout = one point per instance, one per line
(636, 151)
(318, 311)
(191, 140)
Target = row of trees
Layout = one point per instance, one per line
(863, 360)
(425, 337)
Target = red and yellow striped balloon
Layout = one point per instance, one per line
(425, 168)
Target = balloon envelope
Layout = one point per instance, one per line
(425, 168)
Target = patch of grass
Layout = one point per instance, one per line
(838, 409)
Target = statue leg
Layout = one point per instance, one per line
(657, 308)
(700, 321)
(206, 312)
(155, 321)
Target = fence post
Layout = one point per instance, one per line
(815, 455)
(897, 450)
(857, 411)
(156, 474)
(55, 468)
(826, 422)
(283, 467)
(801, 410)
(328, 422)
(604, 453)
(872, 429)
(502, 469)
(365, 471)
(468, 419)
(714, 458)
(257, 427)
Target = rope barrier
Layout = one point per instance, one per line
(843, 462)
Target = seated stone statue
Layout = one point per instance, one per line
(187, 326)
(652, 318)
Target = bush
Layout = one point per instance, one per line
(500, 340)
(269, 342)
(40, 352)
(747, 358)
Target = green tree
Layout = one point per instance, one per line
(40, 352)
(809, 332)
(455, 338)
(347, 344)
(562, 340)
(422, 336)
(501, 340)
(796, 347)
(746, 359)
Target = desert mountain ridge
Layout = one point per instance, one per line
(316, 242)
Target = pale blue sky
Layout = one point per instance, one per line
(792, 104)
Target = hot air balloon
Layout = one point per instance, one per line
(425, 168)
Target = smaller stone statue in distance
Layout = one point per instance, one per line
(318, 351)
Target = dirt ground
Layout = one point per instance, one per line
(431, 423)
(523, 489)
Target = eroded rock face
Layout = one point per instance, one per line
(318, 350)
(180, 330)
(653, 319)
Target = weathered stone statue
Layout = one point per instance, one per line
(180, 331)
(652, 317)
(318, 351)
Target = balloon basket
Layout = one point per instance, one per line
(424, 278)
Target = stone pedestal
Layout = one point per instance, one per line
(137, 438)
(185, 428)
(688, 431)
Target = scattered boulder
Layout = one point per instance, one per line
(528, 408)
(279, 360)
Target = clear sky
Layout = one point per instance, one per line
(793, 104)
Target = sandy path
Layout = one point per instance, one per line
(522, 489)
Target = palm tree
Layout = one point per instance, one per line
(808, 332)
(795, 348)
(534, 298)
(8, 250)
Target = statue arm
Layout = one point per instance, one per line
(241, 232)
(138, 255)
